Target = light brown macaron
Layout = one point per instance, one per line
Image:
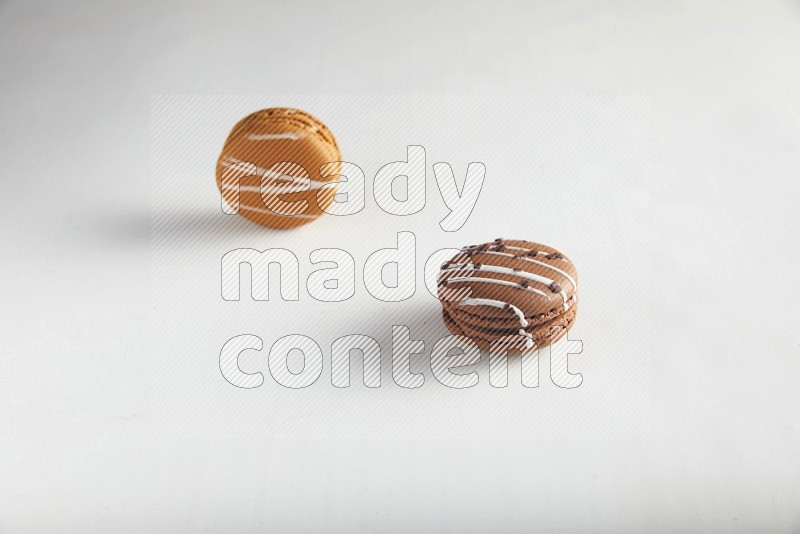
(509, 294)
(279, 168)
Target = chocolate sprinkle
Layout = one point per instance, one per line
(555, 288)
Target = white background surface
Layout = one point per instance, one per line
(712, 433)
(569, 170)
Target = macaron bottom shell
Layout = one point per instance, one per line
(542, 334)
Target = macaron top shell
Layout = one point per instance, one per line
(285, 121)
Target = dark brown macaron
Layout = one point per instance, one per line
(510, 294)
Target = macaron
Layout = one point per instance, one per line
(510, 294)
(279, 168)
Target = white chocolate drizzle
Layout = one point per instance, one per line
(272, 137)
(245, 207)
(496, 304)
(504, 306)
(546, 265)
(495, 281)
(510, 272)
(277, 188)
(266, 173)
